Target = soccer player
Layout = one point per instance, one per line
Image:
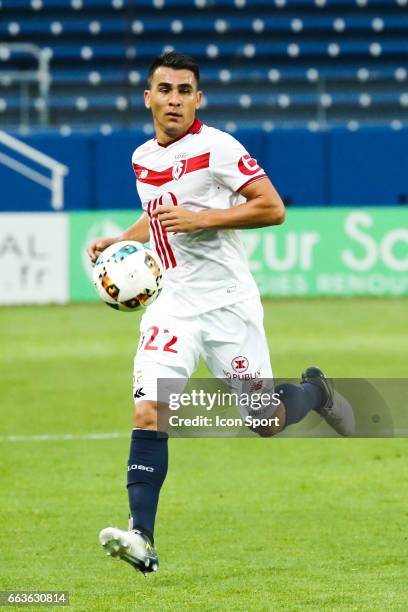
(197, 186)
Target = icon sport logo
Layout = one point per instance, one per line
(248, 165)
(240, 364)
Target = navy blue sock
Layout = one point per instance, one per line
(299, 400)
(147, 469)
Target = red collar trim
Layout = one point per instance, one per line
(194, 128)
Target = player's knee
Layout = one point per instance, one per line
(146, 415)
(277, 424)
(266, 431)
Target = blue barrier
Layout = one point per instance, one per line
(337, 167)
(115, 182)
(368, 167)
(297, 165)
(19, 193)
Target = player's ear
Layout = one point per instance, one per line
(199, 99)
(147, 98)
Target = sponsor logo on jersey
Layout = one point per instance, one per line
(240, 364)
(248, 165)
(245, 376)
(144, 174)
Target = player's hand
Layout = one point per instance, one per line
(96, 247)
(177, 220)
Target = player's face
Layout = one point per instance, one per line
(173, 99)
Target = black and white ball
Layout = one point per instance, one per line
(128, 276)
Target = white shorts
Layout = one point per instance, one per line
(231, 340)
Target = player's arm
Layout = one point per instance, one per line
(263, 207)
(139, 231)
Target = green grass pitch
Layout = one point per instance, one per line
(244, 524)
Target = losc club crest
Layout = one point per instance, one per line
(179, 168)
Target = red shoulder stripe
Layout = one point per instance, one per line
(152, 177)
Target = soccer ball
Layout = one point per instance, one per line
(128, 275)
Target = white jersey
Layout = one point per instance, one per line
(202, 170)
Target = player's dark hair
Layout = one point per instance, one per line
(177, 61)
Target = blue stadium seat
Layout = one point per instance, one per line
(303, 61)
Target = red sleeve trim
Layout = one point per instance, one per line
(252, 180)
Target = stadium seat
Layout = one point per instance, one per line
(295, 61)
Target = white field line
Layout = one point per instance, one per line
(51, 437)
(110, 435)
